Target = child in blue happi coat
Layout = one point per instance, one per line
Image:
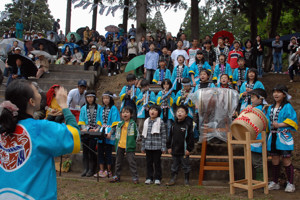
(129, 94)
(145, 99)
(161, 73)
(199, 65)
(108, 118)
(250, 84)
(240, 73)
(179, 72)
(258, 100)
(88, 118)
(165, 99)
(183, 97)
(221, 68)
(282, 120)
(224, 82)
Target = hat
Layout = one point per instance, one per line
(82, 83)
(17, 48)
(148, 35)
(94, 47)
(107, 49)
(132, 37)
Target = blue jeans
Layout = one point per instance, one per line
(259, 61)
(277, 60)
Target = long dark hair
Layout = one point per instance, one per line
(255, 72)
(197, 60)
(111, 100)
(19, 92)
(91, 92)
(284, 90)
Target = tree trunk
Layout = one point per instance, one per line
(275, 17)
(195, 19)
(125, 15)
(95, 12)
(253, 18)
(68, 17)
(141, 18)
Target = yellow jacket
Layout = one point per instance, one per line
(97, 57)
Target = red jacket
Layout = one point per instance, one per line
(112, 58)
(232, 58)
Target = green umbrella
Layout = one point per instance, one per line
(135, 63)
(77, 36)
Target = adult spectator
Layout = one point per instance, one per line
(43, 66)
(132, 48)
(151, 62)
(147, 43)
(170, 42)
(277, 54)
(179, 33)
(56, 26)
(51, 37)
(259, 55)
(93, 58)
(295, 64)
(76, 98)
(62, 37)
(140, 46)
(186, 43)
(19, 29)
(12, 32)
(192, 52)
(121, 30)
(292, 47)
(15, 50)
(5, 35)
(18, 72)
(249, 54)
(86, 34)
(132, 31)
(221, 49)
(177, 52)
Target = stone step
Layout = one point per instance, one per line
(66, 67)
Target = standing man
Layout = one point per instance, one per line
(76, 98)
(132, 31)
(56, 26)
(151, 62)
(192, 52)
(19, 29)
(277, 54)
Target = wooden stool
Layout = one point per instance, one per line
(212, 166)
(248, 183)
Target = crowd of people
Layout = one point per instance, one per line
(165, 122)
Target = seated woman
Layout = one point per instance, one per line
(17, 72)
(76, 57)
(43, 66)
(66, 56)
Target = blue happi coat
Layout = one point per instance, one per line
(195, 68)
(244, 100)
(189, 103)
(284, 139)
(27, 167)
(156, 78)
(83, 118)
(128, 102)
(236, 75)
(257, 147)
(185, 74)
(218, 73)
(113, 120)
(141, 108)
(170, 104)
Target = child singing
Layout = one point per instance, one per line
(199, 65)
(282, 120)
(179, 72)
(166, 98)
(221, 68)
(224, 82)
(240, 73)
(161, 73)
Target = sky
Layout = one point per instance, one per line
(82, 18)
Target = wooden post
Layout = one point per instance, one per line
(231, 163)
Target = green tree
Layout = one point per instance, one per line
(42, 19)
(156, 23)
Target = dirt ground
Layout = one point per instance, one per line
(71, 186)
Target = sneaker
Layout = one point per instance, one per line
(135, 181)
(103, 174)
(115, 179)
(290, 187)
(109, 74)
(291, 81)
(148, 182)
(273, 186)
(115, 73)
(109, 174)
(157, 182)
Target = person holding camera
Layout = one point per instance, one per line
(295, 64)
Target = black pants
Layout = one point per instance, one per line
(89, 63)
(180, 161)
(89, 156)
(112, 67)
(153, 158)
(130, 56)
(291, 71)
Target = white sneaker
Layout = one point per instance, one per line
(157, 182)
(273, 186)
(109, 74)
(148, 181)
(290, 187)
(115, 73)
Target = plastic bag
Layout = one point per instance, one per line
(216, 107)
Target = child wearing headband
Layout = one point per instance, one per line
(282, 120)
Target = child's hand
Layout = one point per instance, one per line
(169, 151)
(248, 89)
(61, 97)
(108, 136)
(187, 153)
(275, 125)
(194, 83)
(244, 94)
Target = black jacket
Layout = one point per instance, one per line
(209, 56)
(15, 71)
(180, 133)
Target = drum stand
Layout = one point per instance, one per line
(248, 183)
(212, 166)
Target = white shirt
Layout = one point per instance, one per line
(75, 99)
(178, 52)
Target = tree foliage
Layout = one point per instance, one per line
(156, 23)
(42, 19)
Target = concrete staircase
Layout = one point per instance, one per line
(65, 75)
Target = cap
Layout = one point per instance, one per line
(82, 83)
(17, 48)
(149, 34)
(94, 47)
(107, 49)
(132, 37)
